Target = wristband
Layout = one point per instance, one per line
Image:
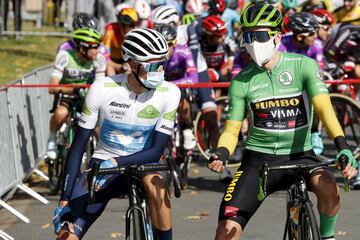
(340, 143)
(223, 153)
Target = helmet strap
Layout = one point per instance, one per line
(138, 78)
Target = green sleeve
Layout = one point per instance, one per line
(313, 78)
(236, 100)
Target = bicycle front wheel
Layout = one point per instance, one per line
(348, 113)
(308, 227)
(136, 227)
(55, 171)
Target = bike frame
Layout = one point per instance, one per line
(137, 199)
(298, 195)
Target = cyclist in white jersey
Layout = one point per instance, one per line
(137, 113)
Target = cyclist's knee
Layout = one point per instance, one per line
(154, 185)
(228, 229)
(61, 113)
(66, 235)
(323, 184)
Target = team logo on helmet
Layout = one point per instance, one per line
(285, 78)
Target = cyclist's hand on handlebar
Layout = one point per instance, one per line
(215, 163)
(80, 92)
(350, 169)
(100, 180)
(59, 212)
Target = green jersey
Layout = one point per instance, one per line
(70, 70)
(278, 102)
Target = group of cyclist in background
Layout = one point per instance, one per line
(205, 44)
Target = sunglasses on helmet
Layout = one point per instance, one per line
(259, 36)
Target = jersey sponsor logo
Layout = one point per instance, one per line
(285, 78)
(170, 115)
(166, 128)
(231, 211)
(232, 185)
(82, 121)
(117, 114)
(287, 90)
(120, 105)
(149, 112)
(260, 86)
(126, 138)
(62, 61)
(277, 103)
(280, 114)
(78, 75)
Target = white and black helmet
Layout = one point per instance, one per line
(165, 15)
(144, 45)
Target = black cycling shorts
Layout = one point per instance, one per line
(240, 202)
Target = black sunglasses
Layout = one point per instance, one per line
(259, 36)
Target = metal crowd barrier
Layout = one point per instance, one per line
(24, 122)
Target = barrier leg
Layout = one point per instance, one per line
(33, 193)
(41, 174)
(5, 236)
(14, 211)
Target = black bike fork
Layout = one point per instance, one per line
(135, 210)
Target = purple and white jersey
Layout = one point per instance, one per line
(315, 51)
(181, 68)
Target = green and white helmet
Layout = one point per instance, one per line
(261, 15)
(86, 37)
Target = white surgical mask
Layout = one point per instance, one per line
(153, 79)
(262, 52)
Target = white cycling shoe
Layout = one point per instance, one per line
(189, 139)
(51, 149)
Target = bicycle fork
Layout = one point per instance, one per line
(137, 214)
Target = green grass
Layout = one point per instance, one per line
(18, 57)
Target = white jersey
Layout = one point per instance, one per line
(128, 120)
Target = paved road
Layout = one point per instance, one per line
(195, 214)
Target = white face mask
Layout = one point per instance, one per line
(262, 52)
(153, 79)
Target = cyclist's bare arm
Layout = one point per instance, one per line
(55, 90)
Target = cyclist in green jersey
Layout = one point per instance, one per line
(81, 65)
(278, 89)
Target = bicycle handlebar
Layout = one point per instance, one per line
(132, 170)
(265, 168)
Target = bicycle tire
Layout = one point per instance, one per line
(135, 225)
(200, 133)
(309, 229)
(56, 171)
(202, 136)
(348, 114)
